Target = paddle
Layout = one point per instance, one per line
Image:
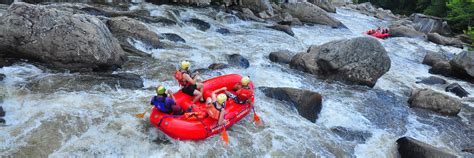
(255, 117)
(225, 137)
(142, 115)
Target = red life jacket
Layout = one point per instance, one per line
(179, 75)
(244, 94)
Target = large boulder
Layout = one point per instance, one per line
(258, 6)
(60, 39)
(308, 103)
(409, 148)
(463, 64)
(406, 31)
(238, 60)
(360, 60)
(310, 13)
(431, 58)
(324, 4)
(126, 29)
(442, 40)
(282, 56)
(435, 101)
(430, 24)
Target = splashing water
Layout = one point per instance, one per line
(101, 122)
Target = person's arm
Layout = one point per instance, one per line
(170, 93)
(189, 79)
(214, 96)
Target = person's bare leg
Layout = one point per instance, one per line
(200, 86)
(198, 96)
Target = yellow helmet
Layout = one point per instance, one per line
(185, 65)
(245, 81)
(160, 90)
(221, 98)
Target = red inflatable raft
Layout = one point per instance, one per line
(378, 34)
(178, 127)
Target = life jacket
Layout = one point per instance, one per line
(179, 75)
(191, 116)
(160, 104)
(214, 112)
(244, 94)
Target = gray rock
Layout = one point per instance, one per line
(464, 38)
(248, 14)
(223, 31)
(470, 150)
(308, 103)
(359, 60)
(173, 37)
(2, 121)
(217, 66)
(310, 13)
(282, 56)
(409, 148)
(238, 61)
(432, 80)
(431, 58)
(442, 68)
(455, 88)
(385, 14)
(125, 29)
(257, 5)
(447, 41)
(463, 64)
(284, 28)
(351, 135)
(324, 4)
(432, 100)
(78, 82)
(61, 39)
(2, 112)
(2, 76)
(406, 31)
(226, 18)
(430, 24)
(199, 24)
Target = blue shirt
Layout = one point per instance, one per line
(163, 103)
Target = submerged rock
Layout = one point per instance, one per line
(173, 37)
(2, 121)
(78, 82)
(2, 112)
(457, 89)
(199, 24)
(284, 28)
(60, 39)
(223, 31)
(307, 103)
(351, 135)
(432, 80)
(361, 60)
(409, 148)
(125, 28)
(2, 76)
(310, 13)
(238, 61)
(216, 66)
(432, 100)
(282, 56)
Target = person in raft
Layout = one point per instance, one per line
(188, 82)
(243, 92)
(165, 102)
(215, 106)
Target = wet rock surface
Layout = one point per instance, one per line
(351, 135)
(409, 147)
(435, 101)
(282, 56)
(356, 61)
(173, 37)
(310, 13)
(307, 103)
(37, 33)
(284, 28)
(455, 88)
(199, 24)
(238, 60)
(432, 80)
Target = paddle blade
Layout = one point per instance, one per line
(142, 115)
(225, 137)
(256, 118)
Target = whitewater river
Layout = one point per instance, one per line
(99, 120)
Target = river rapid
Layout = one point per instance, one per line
(355, 121)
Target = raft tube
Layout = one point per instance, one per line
(178, 127)
(378, 34)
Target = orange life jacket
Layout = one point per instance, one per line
(213, 112)
(244, 94)
(191, 116)
(179, 75)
